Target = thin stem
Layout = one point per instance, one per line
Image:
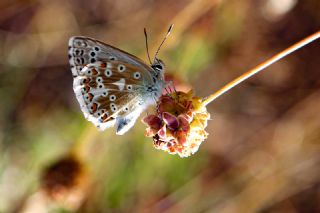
(261, 66)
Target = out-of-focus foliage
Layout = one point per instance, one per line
(262, 152)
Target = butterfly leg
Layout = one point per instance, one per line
(170, 85)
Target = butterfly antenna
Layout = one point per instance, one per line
(146, 37)
(168, 33)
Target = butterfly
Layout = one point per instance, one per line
(112, 86)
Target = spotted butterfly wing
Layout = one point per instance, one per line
(84, 50)
(111, 86)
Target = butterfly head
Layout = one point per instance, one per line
(158, 65)
(159, 68)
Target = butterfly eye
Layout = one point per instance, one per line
(158, 67)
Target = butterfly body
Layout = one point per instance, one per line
(112, 87)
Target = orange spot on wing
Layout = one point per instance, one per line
(104, 116)
(86, 81)
(90, 95)
(86, 89)
(94, 71)
(94, 107)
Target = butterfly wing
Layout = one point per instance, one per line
(84, 50)
(109, 93)
(108, 83)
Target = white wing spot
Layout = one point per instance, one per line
(136, 75)
(112, 98)
(121, 68)
(113, 107)
(120, 83)
(112, 58)
(99, 80)
(108, 73)
(100, 86)
(105, 93)
(129, 87)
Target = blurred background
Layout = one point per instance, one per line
(263, 149)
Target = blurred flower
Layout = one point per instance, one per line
(178, 127)
(66, 181)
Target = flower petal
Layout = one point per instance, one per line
(184, 123)
(181, 137)
(152, 121)
(166, 104)
(171, 121)
(162, 133)
(150, 132)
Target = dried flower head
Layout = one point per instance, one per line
(178, 127)
(65, 181)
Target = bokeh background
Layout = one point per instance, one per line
(263, 151)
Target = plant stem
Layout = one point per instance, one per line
(260, 67)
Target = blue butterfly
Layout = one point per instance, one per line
(112, 86)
